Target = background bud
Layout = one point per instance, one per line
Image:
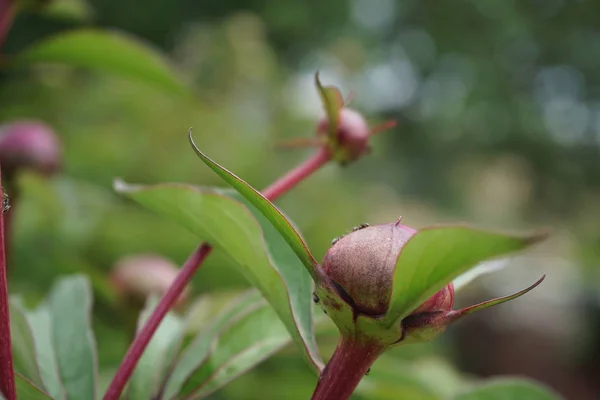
(362, 265)
(352, 134)
(29, 144)
(137, 277)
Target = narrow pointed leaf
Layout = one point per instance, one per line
(26, 390)
(267, 209)
(107, 51)
(499, 300)
(160, 352)
(245, 342)
(196, 353)
(435, 256)
(484, 268)
(70, 305)
(41, 326)
(332, 103)
(23, 344)
(509, 389)
(231, 228)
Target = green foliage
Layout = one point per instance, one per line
(27, 390)
(509, 389)
(114, 52)
(435, 256)
(332, 103)
(231, 228)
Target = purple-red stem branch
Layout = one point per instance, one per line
(7, 374)
(193, 263)
(350, 362)
(7, 10)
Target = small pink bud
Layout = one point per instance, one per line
(137, 277)
(352, 134)
(29, 145)
(441, 301)
(362, 263)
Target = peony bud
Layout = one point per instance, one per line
(441, 301)
(361, 265)
(137, 277)
(29, 144)
(352, 133)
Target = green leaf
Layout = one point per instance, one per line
(28, 391)
(231, 228)
(435, 256)
(41, 326)
(70, 305)
(246, 341)
(23, 345)
(108, 51)
(332, 103)
(198, 350)
(160, 352)
(266, 208)
(509, 389)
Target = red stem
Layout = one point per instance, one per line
(350, 362)
(298, 174)
(165, 304)
(7, 374)
(7, 10)
(193, 263)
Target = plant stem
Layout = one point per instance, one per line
(145, 335)
(7, 10)
(193, 263)
(7, 374)
(350, 362)
(283, 185)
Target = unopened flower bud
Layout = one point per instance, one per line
(137, 277)
(361, 265)
(352, 133)
(29, 145)
(443, 300)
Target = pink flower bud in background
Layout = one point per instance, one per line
(137, 277)
(29, 145)
(352, 133)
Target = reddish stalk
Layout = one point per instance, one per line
(7, 374)
(7, 10)
(350, 362)
(193, 263)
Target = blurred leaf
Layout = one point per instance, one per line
(198, 350)
(392, 386)
(229, 226)
(266, 208)
(160, 352)
(207, 307)
(435, 256)
(41, 325)
(332, 103)
(484, 268)
(28, 391)
(509, 389)
(23, 345)
(242, 344)
(114, 52)
(70, 304)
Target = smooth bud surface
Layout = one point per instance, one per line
(443, 300)
(362, 265)
(29, 144)
(352, 134)
(137, 277)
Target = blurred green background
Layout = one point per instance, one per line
(498, 110)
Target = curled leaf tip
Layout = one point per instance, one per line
(499, 300)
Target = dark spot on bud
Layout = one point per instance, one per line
(316, 298)
(368, 371)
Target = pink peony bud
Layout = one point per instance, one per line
(137, 277)
(352, 134)
(361, 265)
(29, 144)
